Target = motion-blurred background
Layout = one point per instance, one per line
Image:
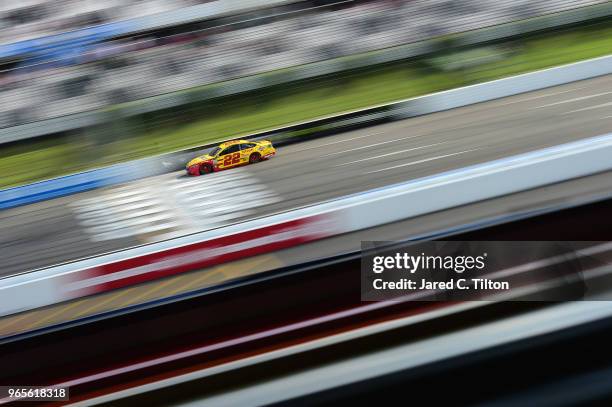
(86, 83)
(133, 283)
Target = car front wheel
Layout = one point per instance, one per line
(205, 169)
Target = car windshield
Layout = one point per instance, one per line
(214, 151)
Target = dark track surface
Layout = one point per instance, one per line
(50, 232)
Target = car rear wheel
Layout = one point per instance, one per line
(205, 169)
(254, 158)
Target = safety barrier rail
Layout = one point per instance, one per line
(347, 214)
(403, 109)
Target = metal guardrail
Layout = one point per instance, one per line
(343, 215)
(435, 102)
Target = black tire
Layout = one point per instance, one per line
(254, 158)
(205, 169)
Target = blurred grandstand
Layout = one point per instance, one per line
(26, 19)
(65, 57)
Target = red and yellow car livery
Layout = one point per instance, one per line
(231, 154)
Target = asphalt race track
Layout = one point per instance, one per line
(170, 205)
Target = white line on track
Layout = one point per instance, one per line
(207, 203)
(370, 145)
(519, 100)
(423, 160)
(131, 192)
(386, 155)
(335, 142)
(218, 198)
(132, 222)
(100, 219)
(574, 99)
(102, 210)
(589, 108)
(167, 205)
(128, 232)
(210, 179)
(109, 200)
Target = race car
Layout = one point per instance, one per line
(231, 154)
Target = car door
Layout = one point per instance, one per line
(229, 157)
(245, 151)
